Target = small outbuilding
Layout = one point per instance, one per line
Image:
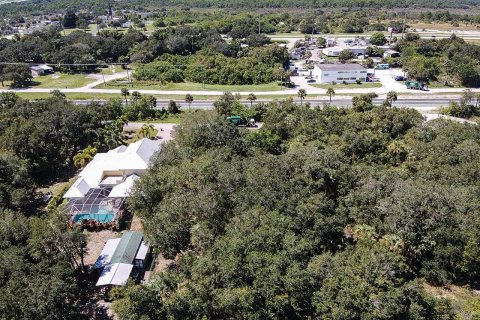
(120, 257)
(335, 51)
(41, 70)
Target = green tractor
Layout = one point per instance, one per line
(242, 122)
(416, 85)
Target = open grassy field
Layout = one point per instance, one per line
(190, 86)
(419, 26)
(347, 86)
(91, 29)
(71, 96)
(62, 81)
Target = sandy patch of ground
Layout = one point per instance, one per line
(95, 243)
(161, 264)
(136, 224)
(164, 129)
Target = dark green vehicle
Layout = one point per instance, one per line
(416, 85)
(241, 122)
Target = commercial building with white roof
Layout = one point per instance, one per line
(348, 72)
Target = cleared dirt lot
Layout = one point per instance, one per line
(95, 243)
(164, 129)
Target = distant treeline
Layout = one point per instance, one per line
(317, 3)
(48, 6)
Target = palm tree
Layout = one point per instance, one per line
(251, 97)
(146, 131)
(125, 93)
(302, 93)
(189, 100)
(391, 97)
(330, 93)
(81, 159)
(136, 95)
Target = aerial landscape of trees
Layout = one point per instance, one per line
(319, 212)
(446, 60)
(232, 48)
(323, 213)
(41, 6)
(41, 268)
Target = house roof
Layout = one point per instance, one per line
(106, 255)
(122, 190)
(334, 48)
(115, 274)
(118, 251)
(78, 190)
(142, 251)
(340, 67)
(127, 247)
(135, 157)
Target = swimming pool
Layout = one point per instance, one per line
(100, 217)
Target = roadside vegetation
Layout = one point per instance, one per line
(314, 215)
(450, 61)
(467, 108)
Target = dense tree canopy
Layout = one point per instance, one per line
(41, 6)
(46, 135)
(451, 61)
(339, 220)
(41, 267)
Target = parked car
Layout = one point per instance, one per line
(382, 66)
(399, 78)
(310, 80)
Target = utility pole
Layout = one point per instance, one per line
(404, 22)
(259, 21)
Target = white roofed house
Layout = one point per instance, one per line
(97, 197)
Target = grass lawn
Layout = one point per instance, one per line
(90, 29)
(149, 26)
(191, 86)
(62, 81)
(419, 26)
(347, 86)
(178, 97)
(171, 118)
(72, 96)
(440, 84)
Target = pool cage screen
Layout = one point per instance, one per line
(96, 201)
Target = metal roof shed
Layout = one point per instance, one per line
(115, 274)
(106, 256)
(127, 247)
